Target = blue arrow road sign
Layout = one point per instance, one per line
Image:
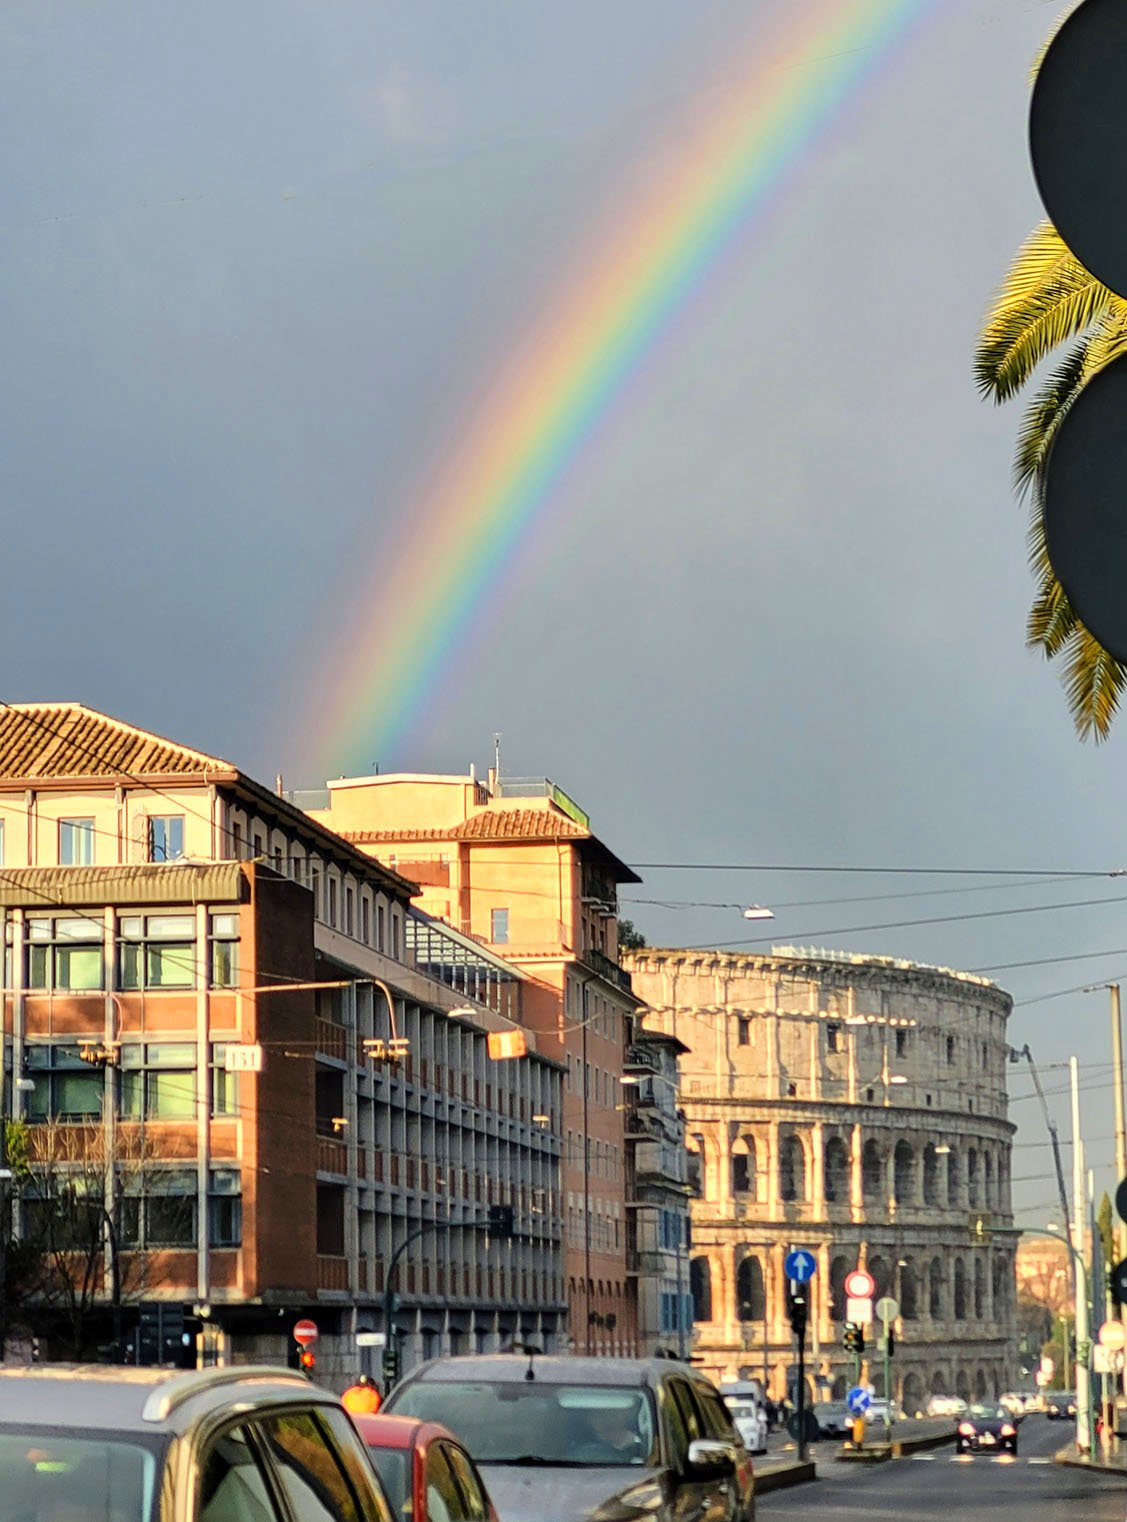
(859, 1400)
(800, 1265)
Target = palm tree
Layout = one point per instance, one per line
(1048, 300)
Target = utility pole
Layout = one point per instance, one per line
(1083, 1331)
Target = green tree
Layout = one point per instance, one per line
(630, 938)
(1049, 305)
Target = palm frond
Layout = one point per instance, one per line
(1093, 683)
(1045, 414)
(1047, 298)
(1051, 619)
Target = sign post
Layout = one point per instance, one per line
(888, 1310)
(800, 1266)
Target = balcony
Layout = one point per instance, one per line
(600, 963)
(332, 1274)
(332, 1156)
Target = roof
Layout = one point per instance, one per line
(389, 1431)
(41, 741)
(142, 883)
(550, 1369)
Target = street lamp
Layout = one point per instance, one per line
(758, 912)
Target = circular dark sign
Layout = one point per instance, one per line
(1085, 506)
(809, 1421)
(1078, 137)
(1119, 1281)
(1121, 1200)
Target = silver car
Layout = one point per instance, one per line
(570, 1439)
(93, 1443)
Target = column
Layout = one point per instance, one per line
(856, 1178)
(818, 1164)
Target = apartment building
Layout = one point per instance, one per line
(513, 865)
(236, 1037)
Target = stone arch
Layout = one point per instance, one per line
(751, 1290)
(694, 1146)
(836, 1170)
(998, 1286)
(700, 1288)
(840, 1387)
(935, 1288)
(988, 1180)
(979, 1289)
(980, 1384)
(939, 1383)
(872, 1170)
(962, 1385)
(931, 1175)
(912, 1396)
(959, 1305)
(792, 1168)
(909, 1291)
(839, 1267)
(972, 1176)
(744, 1180)
(879, 1269)
(904, 1173)
(954, 1192)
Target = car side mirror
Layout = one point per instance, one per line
(711, 1457)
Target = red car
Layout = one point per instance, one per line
(426, 1471)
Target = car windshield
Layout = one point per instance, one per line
(393, 1465)
(534, 1423)
(50, 1477)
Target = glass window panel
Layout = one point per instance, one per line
(130, 974)
(131, 1087)
(224, 964)
(38, 930)
(170, 927)
(39, 1099)
(129, 927)
(226, 1181)
(76, 842)
(224, 1092)
(170, 966)
(171, 1096)
(85, 929)
(170, 1221)
(171, 1054)
(225, 1221)
(78, 968)
(308, 1470)
(225, 924)
(232, 1489)
(37, 966)
(166, 837)
(78, 1093)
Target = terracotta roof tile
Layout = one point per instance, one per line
(59, 740)
(519, 824)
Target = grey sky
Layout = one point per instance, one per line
(257, 261)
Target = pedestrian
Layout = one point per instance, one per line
(362, 1397)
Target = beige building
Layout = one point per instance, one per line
(854, 1105)
(513, 865)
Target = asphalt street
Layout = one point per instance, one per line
(1029, 1488)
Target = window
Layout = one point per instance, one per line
(365, 914)
(499, 926)
(950, 1051)
(232, 1488)
(224, 1085)
(76, 842)
(158, 1208)
(743, 1031)
(259, 847)
(308, 1470)
(158, 1081)
(157, 951)
(833, 1035)
(166, 837)
(225, 1208)
(349, 909)
(66, 1088)
(332, 910)
(64, 954)
(380, 929)
(223, 950)
(901, 1043)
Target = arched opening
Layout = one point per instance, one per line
(988, 1179)
(751, 1292)
(954, 1195)
(980, 1385)
(694, 1145)
(872, 1171)
(839, 1267)
(960, 1306)
(972, 1177)
(700, 1288)
(840, 1388)
(935, 1289)
(903, 1174)
(931, 1175)
(837, 1171)
(743, 1167)
(792, 1169)
(909, 1291)
(962, 1385)
(979, 1289)
(913, 1395)
(878, 1267)
(998, 1287)
(939, 1383)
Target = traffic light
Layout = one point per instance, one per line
(307, 1362)
(854, 1339)
(797, 1310)
(390, 1366)
(500, 1222)
(890, 1340)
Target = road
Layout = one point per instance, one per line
(980, 1489)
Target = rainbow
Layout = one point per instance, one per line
(546, 406)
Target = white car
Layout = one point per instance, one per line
(750, 1421)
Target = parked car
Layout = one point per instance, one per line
(1060, 1405)
(945, 1405)
(426, 1472)
(834, 1418)
(101, 1443)
(883, 1411)
(566, 1438)
(986, 1429)
(1014, 1404)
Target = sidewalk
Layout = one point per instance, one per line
(778, 1471)
(1111, 1460)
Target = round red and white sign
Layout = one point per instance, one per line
(305, 1332)
(860, 1284)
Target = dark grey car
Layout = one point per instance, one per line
(92, 1443)
(580, 1439)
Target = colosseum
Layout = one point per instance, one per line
(854, 1105)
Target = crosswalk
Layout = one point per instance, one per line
(975, 1458)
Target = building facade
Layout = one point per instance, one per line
(223, 1047)
(514, 865)
(856, 1106)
